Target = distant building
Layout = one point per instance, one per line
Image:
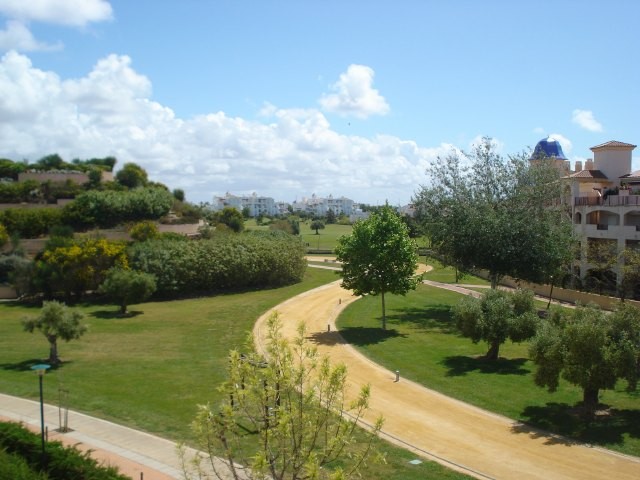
(256, 205)
(319, 206)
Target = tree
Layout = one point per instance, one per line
(331, 217)
(4, 236)
(230, 217)
(378, 257)
(502, 215)
(495, 317)
(589, 349)
(178, 194)
(132, 175)
(127, 287)
(630, 284)
(317, 225)
(602, 255)
(56, 321)
(294, 401)
(143, 231)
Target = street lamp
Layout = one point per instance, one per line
(40, 369)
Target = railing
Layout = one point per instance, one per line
(609, 201)
(602, 226)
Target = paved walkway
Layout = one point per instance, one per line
(458, 435)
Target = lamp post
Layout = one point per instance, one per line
(40, 369)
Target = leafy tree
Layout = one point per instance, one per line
(4, 235)
(132, 175)
(630, 283)
(50, 162)
(588, 349)
(495, 317)
(602, 255)
(378, 257)
(331, 217)
(230, 217)
(496, 214)
(56, 322)
(178, 194)
(246, 213)
(143, 231)
(127, 287)
(17, 271)
(11, 169)
(30, 223)
(296, 403)
(317, 225)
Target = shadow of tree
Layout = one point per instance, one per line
(26, 365)
(367, 335)
(460, 365)
(326, 338)
(432, 317)
(115, 314)
(606, 428)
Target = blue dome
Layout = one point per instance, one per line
(548, 148)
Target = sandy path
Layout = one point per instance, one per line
(458, 435)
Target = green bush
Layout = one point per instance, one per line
(252, 259)
(16, 468)
(61, 463)
(30, 223)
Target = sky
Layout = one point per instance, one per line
(289, 98)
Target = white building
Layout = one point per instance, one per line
(256, 205)
(604, 197)
(319, 206)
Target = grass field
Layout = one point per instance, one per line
(422, 343)
(149, 371)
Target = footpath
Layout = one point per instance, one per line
(463, 437)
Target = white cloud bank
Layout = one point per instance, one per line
(291, 153)
(354, 94)
(77, 13)
(18, 37)
(586, 120)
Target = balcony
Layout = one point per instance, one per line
(609, 201)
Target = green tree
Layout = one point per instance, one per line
(127, 287)
(178, 194)
(132, 175)
(378, 257)
(484, 211)
(589, 349)
(630, 270)
(4, 236)
(230, 217)
(602, 255)
(331, 217)
(495, 317)
(317, 225)
(295, 402)
(56, 322)
(143, 231)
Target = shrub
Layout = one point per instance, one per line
(30, 223)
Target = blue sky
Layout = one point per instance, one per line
(290, 98)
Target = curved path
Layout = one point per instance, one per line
(458, 435)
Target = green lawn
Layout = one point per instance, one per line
(443, 274)
(326, 239)
(422, 343)
(150, 371)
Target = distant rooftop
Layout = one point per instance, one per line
(613, 144)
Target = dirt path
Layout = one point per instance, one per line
(451, 432)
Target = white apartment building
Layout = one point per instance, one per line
(604, 196)
(319, 206)
(256, 205)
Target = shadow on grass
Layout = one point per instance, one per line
(115, 314)
(608, 427)
(368, 335)
(433, 317)
(26, 365)
(460, 365)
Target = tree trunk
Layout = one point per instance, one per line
(494, 350)
(123, 308)
(53, 350)
(590, 399)
(494, 280)
(384, 316)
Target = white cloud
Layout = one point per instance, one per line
(289, 153)
(16, 36)
(586, 120)
(63, 12)
(354, 94)
(538, 130)
(564, 142)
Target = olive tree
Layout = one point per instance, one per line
(378, 257)
(495, 317)
(588, 348)
(128, 286)
(295, 402)
(56, 322)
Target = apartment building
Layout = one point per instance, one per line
(256, 205)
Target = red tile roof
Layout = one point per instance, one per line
(596, 174)
(613, 144)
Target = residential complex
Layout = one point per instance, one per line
(604, 195)
(267, 206)
(256, 205)
(320, 206)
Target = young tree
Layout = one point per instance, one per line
(378, 257)
(294, 401)
(230, 217)
(495, 317)
(331, 217)
(588, 349)
(56, 321)
(498, 214)
(128, 286)
(132, 175)
(317, 225)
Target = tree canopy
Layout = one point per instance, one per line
(482, 210)
(588, 348)
(132, 175)
(378, 257)
(127, 286)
